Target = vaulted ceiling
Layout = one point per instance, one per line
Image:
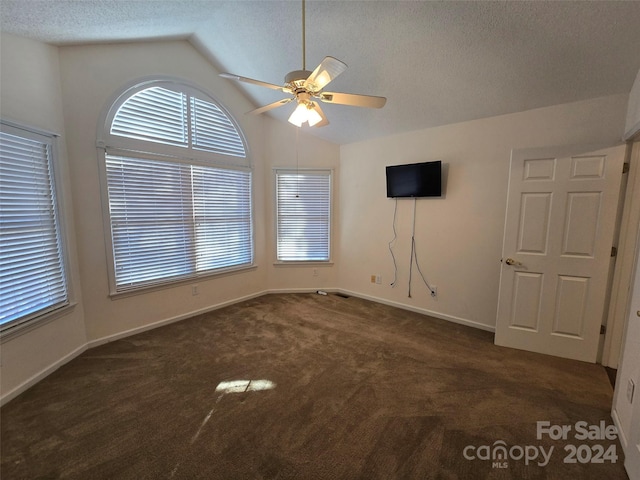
(436, 62)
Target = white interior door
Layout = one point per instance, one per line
(561, 213)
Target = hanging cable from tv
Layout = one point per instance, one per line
(392, 243)
(414, 256)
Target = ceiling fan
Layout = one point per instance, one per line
(307, 86)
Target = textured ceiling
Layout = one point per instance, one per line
(436, 62)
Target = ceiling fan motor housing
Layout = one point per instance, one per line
(297, 77)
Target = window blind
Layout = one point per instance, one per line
(212, 130)
(222, 215)
(172, 220)
(32, 276)
(155, 114)
(303, 215)
(160, 115)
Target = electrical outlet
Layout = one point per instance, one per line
(630, 390)
(373, 279)
(379, 279)
(434, 291)
(315, 272)
(195, 290)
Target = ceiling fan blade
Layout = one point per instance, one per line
(324, 120)
(260, 83)
(328, 69)
(352, 99)
(266, 108)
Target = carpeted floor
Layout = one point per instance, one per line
(341, 388)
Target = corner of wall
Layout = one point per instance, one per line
(38, 103)
(632, 125)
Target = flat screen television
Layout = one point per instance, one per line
(415, 180)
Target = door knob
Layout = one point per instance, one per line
(511, 261)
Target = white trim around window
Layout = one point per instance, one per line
(177, 188)
(33, 261)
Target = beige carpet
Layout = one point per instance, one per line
(352, 390)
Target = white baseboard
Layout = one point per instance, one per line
(621, 436)
(41, 375)
(301, 290)
(424, 311)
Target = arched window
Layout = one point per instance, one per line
(178, 187)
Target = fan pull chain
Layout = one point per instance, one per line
(297, 165)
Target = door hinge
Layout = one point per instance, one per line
(614, 251)
(603, 329)
(625, 168)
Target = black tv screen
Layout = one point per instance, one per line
(415, 180)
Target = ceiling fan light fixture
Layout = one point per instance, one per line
(305, 112)
(314, 117)
(299, 115)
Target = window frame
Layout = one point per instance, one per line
(35, 319)
(109, 144)
(307, 170)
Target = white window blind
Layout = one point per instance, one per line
(213, 131)
(161, 115)
(32, 274)
(172, 220)
(154, 114)
(222, 215)
(173, 217)
(148, 204)
(303, 215)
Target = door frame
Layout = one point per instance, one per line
(626, 432)
(627, 252)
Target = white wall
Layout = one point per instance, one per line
(458, 237)
(632, 125)
(30, 94)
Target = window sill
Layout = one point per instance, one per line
(14, 331)
(303, 263)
